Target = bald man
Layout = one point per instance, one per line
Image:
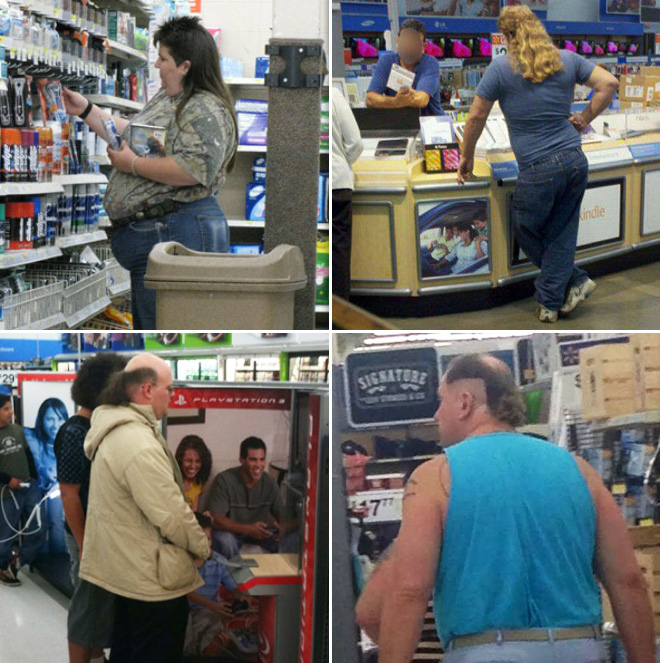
(142, 542)
(509, 535)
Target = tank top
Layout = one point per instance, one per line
(519, 539)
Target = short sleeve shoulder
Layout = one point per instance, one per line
(490, 86)
(583, 68)
(207, 138)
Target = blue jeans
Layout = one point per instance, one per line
(229, 544)
(562, 651)
(546, 217)
(17, 512)
(200, 226)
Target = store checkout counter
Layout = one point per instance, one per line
(400, 213)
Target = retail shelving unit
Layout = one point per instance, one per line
(71, 305)
(232, 193)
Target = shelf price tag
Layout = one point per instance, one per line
(378, 506)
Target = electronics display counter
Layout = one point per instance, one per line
(405, 220)
(275, 580)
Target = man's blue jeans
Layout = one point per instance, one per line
(546, 217)
(17, 506)
(200, 226)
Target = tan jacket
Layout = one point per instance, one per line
(140, 535)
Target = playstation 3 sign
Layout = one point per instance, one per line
(391, 387)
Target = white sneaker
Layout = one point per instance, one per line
(576, 295)
(546, 315)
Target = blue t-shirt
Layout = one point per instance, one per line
(519, 539)
(427, 79)
(537, 113)
(215, 574)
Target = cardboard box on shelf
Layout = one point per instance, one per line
(647, 368)
(632, 105)
(609, 387)
(641, 89)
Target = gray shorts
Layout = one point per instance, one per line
(91, 616)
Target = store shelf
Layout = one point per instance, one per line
(115, 102)
(251, 148)
(85, 178)
(29, 188)
(247, 82)
(17, 258)
(80, 239)
(411, 459)
(123, 52)
(54, 322)
(88, 312)
(634, 419)
(101, 160)
(243, 223)
(263, 148)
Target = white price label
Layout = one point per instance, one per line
(378, 506)
(8, 378)
(499, 45)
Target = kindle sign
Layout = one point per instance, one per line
(392, 387)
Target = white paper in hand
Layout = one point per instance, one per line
(400, 77)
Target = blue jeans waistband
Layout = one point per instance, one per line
(557, 158)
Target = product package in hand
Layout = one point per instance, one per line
(112, 137)
(148, 140)
(50, 93)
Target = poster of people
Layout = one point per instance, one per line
(454, 238)
(541, 5)
(623, 6)
(651, 12)
(46, 406)
(205, 431)
(457, 8)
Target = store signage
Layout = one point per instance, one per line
(16, 349)
(616, 155)
(646, 150)
(651, 202)
(505, 170)
(8, 378)
(391, 387)
(33, 376)
(499, 45)
(231, 399)
(601, 216)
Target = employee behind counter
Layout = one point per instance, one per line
(425, 90)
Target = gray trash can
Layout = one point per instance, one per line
(222, 290)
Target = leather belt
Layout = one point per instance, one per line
(527, 635)
(155, 211)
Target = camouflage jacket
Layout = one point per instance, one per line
(202, 146)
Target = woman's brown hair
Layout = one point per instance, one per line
(187, 39)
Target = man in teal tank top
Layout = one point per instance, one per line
(510, 535)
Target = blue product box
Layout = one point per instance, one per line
(252, 118)
(323, 197)
(127, 341)
(95, 342)
(261, 66)
(259, 169)
(255, 201)
(246, 249)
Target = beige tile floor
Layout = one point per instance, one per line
(626, 300)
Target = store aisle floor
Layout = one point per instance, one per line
(33, 623)
(625, 300)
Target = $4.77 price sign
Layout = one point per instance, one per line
(377, 506)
